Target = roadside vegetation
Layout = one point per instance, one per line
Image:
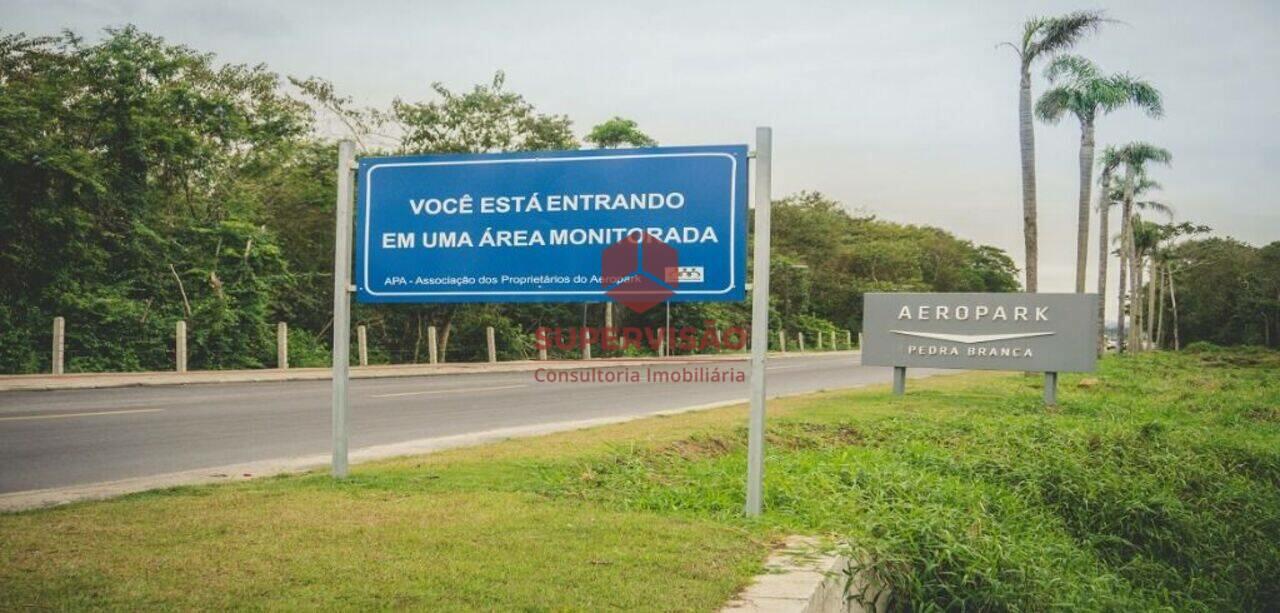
(1154, 485)
(143, 183)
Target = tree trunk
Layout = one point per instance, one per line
(1135, 295)
(1122, 339)
(1086, 183)
(1027, 138)
(1126, 258)
(1149, 314)
(1173, 305)
(1160, 275)
(1104, 210)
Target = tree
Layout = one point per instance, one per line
(1135, 157)
(486, 119)
(617, 132)
(1107, 197)
(1041, 37)
(133, 171)
(1213, 291)
(1162, 266)
(1082, 90)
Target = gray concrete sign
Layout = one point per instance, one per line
(1029, 332)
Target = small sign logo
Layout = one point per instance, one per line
(631, 270)
(685, 274)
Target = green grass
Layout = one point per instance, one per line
(1157, 486)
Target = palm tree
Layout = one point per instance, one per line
(1107, 197)
(1146, 239)
(1135, 156)
(1082, 90)
(1041, 37)
(1112, 194)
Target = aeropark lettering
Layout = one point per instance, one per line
(1030, 332)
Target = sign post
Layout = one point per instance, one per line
(342, 304)
(759, 319)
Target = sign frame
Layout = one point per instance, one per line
(734, 256)
(348, 170)
(1014, 331)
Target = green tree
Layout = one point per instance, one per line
(1082, 90)
(130, 168)
(617, 132)
(486, 119)
(1041, 37)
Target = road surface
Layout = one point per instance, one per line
(53, 439)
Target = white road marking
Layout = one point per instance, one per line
(61, 415)
(449, 391)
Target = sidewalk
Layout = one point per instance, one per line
(10, 383)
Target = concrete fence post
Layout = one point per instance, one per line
(542, 353)
(180, 346)
(282, 345)
(493, 347)
(859, 340)
(819, 340)
(362, 344)
(782, 341)
(59, 340)
(662, 342)
(800, 341)
(433, 353)
(848, 339)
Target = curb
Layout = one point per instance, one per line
(802, 578)
(35, 499)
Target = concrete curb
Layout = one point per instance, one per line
(46, 382)
(801, 578)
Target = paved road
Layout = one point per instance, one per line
(60, 438)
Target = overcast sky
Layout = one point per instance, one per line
(907, 110)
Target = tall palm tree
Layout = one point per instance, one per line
(1111, 195)
(1082, 90)
(1135, 156)
(1041, 37)
(1108, 195)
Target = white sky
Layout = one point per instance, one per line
(904, 109)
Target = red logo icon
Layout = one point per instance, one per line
(640, 271)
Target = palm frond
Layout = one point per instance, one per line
(1138, 154)
(1053, 104)
(1154, 206)
(1077, 68)
(1123, 89)
(1108, 161)
(1056, 34)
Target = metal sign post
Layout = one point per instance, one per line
(342, 304)
(759, 320)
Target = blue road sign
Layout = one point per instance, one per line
(532, 227)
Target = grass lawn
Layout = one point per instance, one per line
(1156, 485)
